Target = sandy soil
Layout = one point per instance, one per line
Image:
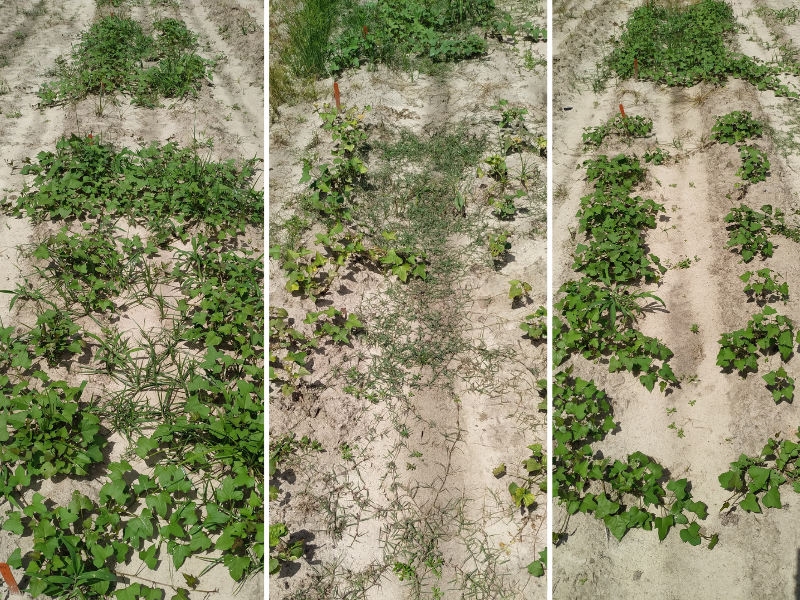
(758, 555)
(32, 36)
(360, 516)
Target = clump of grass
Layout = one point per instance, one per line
(286, 88)
(309, 31)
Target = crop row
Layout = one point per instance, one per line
(596, 318)
(203, 440)
(754, 479)
(334, 196)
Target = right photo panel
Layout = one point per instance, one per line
(676, 308)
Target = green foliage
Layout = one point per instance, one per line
(309, 30)
(787, 16)
(165, 188)
(763, 285)
(311, 274)
(499, 245)
(582, 416)
(225, 296)
(108, 532)
(332, 185)
(110, 58)
(44, 433)
(514, 136)
(782, 385)
(401, 262)
(506, 26)
(203, 484)
(289, 348)
(616, 251)
(537, 567)
(617, 175)
(54, 334)
(287, 445)
(754, 479)
(629, 126)
(519, 289)
(220, 439)
(89, 269)
(755, 165)
(498, 170)
(432, 31)
(616, 254)
(685, 45)
(535, 325)
(511, 117)
(766, 332)
(534, 475)
(598, 319)
(70, 549)
(748, 229)
(735, 127)
(595, 318)
(657, 156)
(404, 571)
(597, 322)
(504, 207)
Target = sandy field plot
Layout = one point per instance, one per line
(710, 415)
(425, 415)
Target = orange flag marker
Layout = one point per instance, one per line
(5, 571)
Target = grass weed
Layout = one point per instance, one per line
(309, 31)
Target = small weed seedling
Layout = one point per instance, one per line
(695, 328)
(657, 156)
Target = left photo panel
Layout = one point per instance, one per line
(407, 223)
(132, 312)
